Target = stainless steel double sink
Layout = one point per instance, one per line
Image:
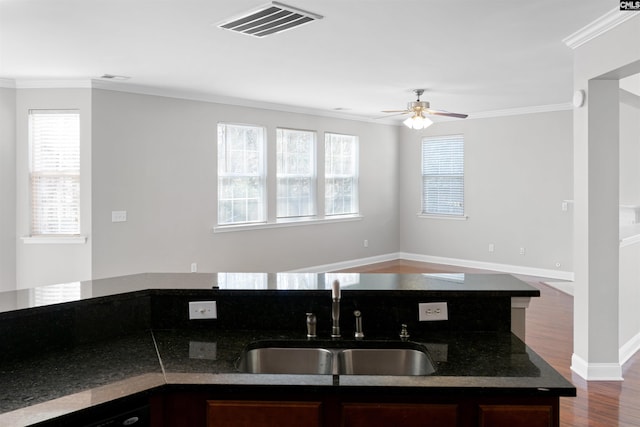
(336, 358)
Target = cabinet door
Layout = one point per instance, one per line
(238, 413)
(517, 416)
(398, 415)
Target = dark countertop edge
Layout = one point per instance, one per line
(198, 382)
(371, 384)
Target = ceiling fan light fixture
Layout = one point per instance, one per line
(417, 122)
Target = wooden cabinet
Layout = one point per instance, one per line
(238, 413)
(516, 415)
(398, 415)
(313, 408)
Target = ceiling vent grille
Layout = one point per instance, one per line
(271, 19)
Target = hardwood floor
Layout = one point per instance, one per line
(550, 333)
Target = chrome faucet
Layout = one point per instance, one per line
(335, 309)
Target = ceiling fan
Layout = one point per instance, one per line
(418, 109)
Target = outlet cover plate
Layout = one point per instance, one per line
(203, 310)
(428, 311)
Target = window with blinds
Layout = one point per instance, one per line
(54, 140)
(443, 175)
(341, 174)
(296, 172)
(241, 174)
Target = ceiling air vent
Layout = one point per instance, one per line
(273, 18)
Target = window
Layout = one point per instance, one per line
(296, 173)
(54, 142)
(443, 175)
(341, 174)
(241, 174)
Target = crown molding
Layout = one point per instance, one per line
(53, 84)
(606, 22)
(521, 110)
(225, 100)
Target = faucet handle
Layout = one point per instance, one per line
(404, 333)
(311, 325)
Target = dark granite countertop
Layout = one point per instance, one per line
(126, 340)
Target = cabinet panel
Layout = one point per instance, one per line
(234, 413)
(516, 416)
(398, 415)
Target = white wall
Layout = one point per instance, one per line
(598, 64)
(7, 189)
(517, 174)
(629, 333)
(39, 264)
(155, 157)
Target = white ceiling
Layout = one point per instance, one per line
(364, 56)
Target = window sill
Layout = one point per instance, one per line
(449, 217)
(54, 240)
(288, 222)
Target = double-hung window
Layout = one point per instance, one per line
(443, 175)
(341, 174)
(296, 172)
(54, 142)
(241, 174)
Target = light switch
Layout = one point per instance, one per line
(118, 216)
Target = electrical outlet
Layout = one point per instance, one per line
(203, 310)
(522, 251)
(118, 216)
(428, 311)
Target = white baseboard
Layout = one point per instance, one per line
(504, 268)
(596, 371)
(348, 264)
(629, 349)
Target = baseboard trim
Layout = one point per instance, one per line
(504, 268)
(398, 256)
(596, 371)
(342, 265)
(629, 349)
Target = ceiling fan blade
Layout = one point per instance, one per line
(446, 113)
(396, 111)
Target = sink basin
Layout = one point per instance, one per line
(338, 358)
(287, 360)
(384, 361)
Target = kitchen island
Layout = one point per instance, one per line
(74, 362)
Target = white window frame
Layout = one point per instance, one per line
(224, 173)
(54, 162)
(442, 159)
(286, 171)
(333, 171)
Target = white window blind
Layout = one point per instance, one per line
(296, 173)
(443, 175)
(341, 174)
(241, 174)
(54, 139)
